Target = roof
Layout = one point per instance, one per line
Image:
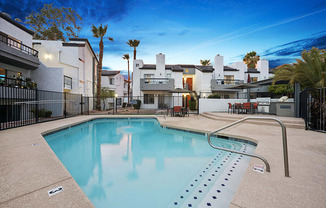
(176, 68)
(187, 66)
(5, 17)
(84, 40)
(205, 68)
(109, 72)
(271, 71)
(227, 68)
(252, 70)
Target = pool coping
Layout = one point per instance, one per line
(13, 143)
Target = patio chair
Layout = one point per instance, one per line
(238, 106)
(185, 111)
(177, 110)
(255, 108)
(246, 107)
(230, 108)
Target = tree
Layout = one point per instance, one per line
(55, 23)
(205, 62)
(251, 59)
(99, 32)
(106, 93)
(309, 72)
(134, 43)
(283, 89)
(126, 57)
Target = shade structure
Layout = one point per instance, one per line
(244, 86)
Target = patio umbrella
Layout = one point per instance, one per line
(248, 80)
(244, 86)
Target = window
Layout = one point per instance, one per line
(168, 75)
(111, 81)
(125, 85)
(148, 98)
(229, 79)
(254, 79)
(67, 82)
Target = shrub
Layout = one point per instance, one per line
(192, 104)
(214, 96)
(137, 106)
(42, 113)
(124, 105)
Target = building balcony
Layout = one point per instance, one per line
(17, 54)
(223, 84)
(156, 84)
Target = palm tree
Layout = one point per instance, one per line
(251, 59)
(205, 62)
(99, 32)
(126, 57)
(309, 72)
(134, 43)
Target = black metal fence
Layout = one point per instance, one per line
(23, 106)
(313, 108)
(148, 104)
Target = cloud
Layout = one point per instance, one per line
(183, 32)
(161, 34)
(91, 12)
(295, 48)
(106, 68)
(273, 63)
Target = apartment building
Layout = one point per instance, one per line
(69, 66)
(153, 83)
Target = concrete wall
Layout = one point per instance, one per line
(48, 78)
(218, 67)
(203, 83)
(216, 105)
(16, 32)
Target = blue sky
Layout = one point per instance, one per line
(189, 30)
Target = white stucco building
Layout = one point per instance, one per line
(151, 82)
(115, 81)
(75, 63)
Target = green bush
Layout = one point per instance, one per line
(192, 104)
(42, 113)
(281, 89)
(137, 106)
(214, 96)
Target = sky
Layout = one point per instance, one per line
(187, 31)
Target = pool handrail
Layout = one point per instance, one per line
(284, 138)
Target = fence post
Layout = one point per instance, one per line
(81, 104)
(297, 100)
(36, 108)
(65, 104)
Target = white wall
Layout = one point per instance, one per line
(48, 78)
(216, 105)
(16, 32)
(218, 67)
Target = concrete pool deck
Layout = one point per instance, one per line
(29, 168)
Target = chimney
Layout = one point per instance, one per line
(218, 67)
(160, 65)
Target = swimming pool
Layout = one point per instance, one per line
(138, 163)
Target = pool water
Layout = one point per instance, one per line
(138, 163)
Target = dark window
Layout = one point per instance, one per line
(67, 82)
(111, 81)
(148, 98)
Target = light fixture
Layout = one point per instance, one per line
(116, 95)
(47, 56)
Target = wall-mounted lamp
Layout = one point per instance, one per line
(204, 95)
(47, 56)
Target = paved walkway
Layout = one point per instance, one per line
(29, 168)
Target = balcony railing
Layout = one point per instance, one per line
(18, 83)
(156, 80)
(156, 84)
(17, 45)
(228, 81)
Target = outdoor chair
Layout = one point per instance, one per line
(230, 108)
(185, 111)
(177, 110)
(238, 106)
(246, 107)
(255, 108)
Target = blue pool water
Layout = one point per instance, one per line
(137, 163)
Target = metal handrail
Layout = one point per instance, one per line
(284, 138)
